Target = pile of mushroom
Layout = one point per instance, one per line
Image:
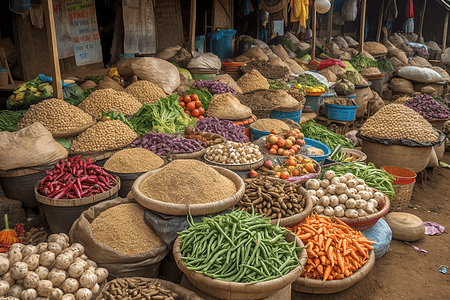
(345, 196)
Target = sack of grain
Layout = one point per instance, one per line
(88, 84)
(330, 76)
(396, 39)
(367, 54)
(124, 68)
(351, 42)
(396, 63)
(367, 72)
(424, 75)
(401, 85)
(116, 237)
(228, 107)
(445, 76)
(108, 83)
(295, 67)
(279, 51)
(160, 72)
(341, 42)
(389, 45)
(362, 97)
(168, 52)
(345, 55)
(399, 54)
(420, 62)
(337, 70)
(428, 90)
(256, 53)
(353, 52)
(376, 103)
(374, 47)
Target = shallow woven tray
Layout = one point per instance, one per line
(363, 157)
(71, 132)
(239, 167)
(192, 155)
(317, 286)
(194, 209)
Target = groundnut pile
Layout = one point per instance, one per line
(55, 115)
(253, 81)
(109, 135)
(145, 91)
(233, 153)
(396, 121)
(109, 99)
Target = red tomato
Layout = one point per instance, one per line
(268, 145)
(291, 152)
(295, 172)
(187, 99)
(197, 104)
(284, 175)
(180, 99)
(190, 105)
(201, 110)
(195, 113)
(273, 151)
(201, 117)
(245, 122)
(275, 147)
(194, 97)
(182, 104)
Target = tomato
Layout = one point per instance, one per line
(273, 151)
(180, 99)
(291, 152)
(275, 147)
(309, 167)
(284, 175)
(201, 117)
(194, 97)
(295, 172)
(187, 99)
(286, 153)
(295, 148)
(195, 113)
(201, 110)
(268, 145)
(188, 112)
(198, 104)
(292, 162)
(191, 106)
(182, 104)
(246, 122)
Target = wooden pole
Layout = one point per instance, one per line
(380, 23)
(53, 49)
(444, 38)
(363, 25)
(422, 17)
(314, 26)
(192, 21)
(330, 23)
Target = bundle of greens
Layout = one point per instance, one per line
(321, 134)
(112, 115)
(9, 119)
(309, 80)
(361, 62)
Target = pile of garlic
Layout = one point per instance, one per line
(233, 153)
(345, 196)
(53, 270)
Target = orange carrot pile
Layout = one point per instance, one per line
(335, 250)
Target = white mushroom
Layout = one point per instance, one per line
(331, 189)
(360, 187)
(351, 203)
(320, 193)
(335, 181)
(352, 183)
(324, 201)
(343, 198)
(334, 200)
(341, 188)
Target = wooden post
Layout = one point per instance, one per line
(444, 38)
(380, 23)
(53, 49)
(192, 21)
(314, 26)
(422, 17)
(330, 23)
(363, 25)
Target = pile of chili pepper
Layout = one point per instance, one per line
(74, 178)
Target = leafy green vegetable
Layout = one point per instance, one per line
(64, 142)
(164, 116)
(361, 62)
(95, 79)
(204, 96)
(112, 115)
(321, 134)
(89, 91)
(9, 119)
(309, 80)
(277, 85)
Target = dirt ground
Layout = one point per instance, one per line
(403, 273)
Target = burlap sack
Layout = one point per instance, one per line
(158, 71)
(367, 72)
(399, 54)
(442, 72)
(108, 83)
(401, 85)
(428, 90)
(279, 51)
(124, 67)
(31, 146)
(330, 76)
(118, 264)
(168, 52)
(418, 74)
(295, 67)
(341, 42)
(362, 97)
(88, 84)
(256, 53)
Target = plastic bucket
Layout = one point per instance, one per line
(403, 186)
(340, 112)
(402, 175)
(3, 77)
(256, 134)
(319, 158)
(295, 115)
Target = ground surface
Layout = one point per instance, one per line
(403, 273)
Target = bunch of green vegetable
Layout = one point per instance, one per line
(361, 62)
(164, 116)
(320, 133)
(204, 96)
(372, 176)
(95, 79)
(309, 80)
(277, 85)
(9, 119)
(238, 247)
(112, 115)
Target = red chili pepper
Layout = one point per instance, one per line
(68, 164)
(77, 191)
(80, 163)
(85, 192)
(65, 190)
(101, 189)
(66, 177)
(58, 177)
(79, 184)
(46, 191)
(71, 196)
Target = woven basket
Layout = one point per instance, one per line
(297, 218)
(193, 155)
(403, 193)
(318, 286)
(238, 168)
(194, 209)
(356, 153)
(71, 132)
(240, 291)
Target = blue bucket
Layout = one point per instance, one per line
(340, 112)
(256, 134)
(319, 158)
(280, 115)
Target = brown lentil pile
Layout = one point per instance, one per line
(268, 125)
(145, 91)
(109, 99)
(55, 115)
(266, 69)
(108, 135)
(253, 81)
(187, 181)
(133, 160)
(123, 228)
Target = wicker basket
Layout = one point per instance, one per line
(356, 153)
(240, 167)
(403, 186)
(192, 155)
(317, 286)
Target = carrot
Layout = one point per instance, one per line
(327, 244)
(330, 255)
(320, 269)
(323, 259)
(340, 261)
(305, 236)
(321, 240)
(358, 247)
(316, 261)
(344, 246)
(326, 273)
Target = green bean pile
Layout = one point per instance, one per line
(372, 176)
(9, 119)
(238, 247)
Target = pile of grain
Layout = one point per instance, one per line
(228, 80)
(266, 69)
(187, 182)
(145, 91)
(109, 135)
(123, 228)
(253, 81)
(133, 160)
(268, 125)
(375, 48)
(55, 115)
(109, 99)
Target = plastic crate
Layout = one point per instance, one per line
(340, 112)
(319, 158)
(221, 42)
(313, 103)
(280, 115)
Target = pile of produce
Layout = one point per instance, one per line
(112, 115)
(55, 115)
(372, 176)
(123, 228)
(307, 80)
(215, 87)
(145, 91)
(134, 160)
(192, 106)
(355, 78)
(139, 288)
(266, 69)
(361, 62)
(428, 107)
(293, 167)
(35, 89)
(339, 155)
(109, 135)
(51, 270)
(285, 144)
(200, 183)
(341, 101)
(254, 251)
(164, 116)
(269, 125)
(165, 144)
(9, 119)
(228, 80)
(334, 249)
(277, 85)
(268, 100)
(320, 133)
(232, 153)
(228, 107)
(74, 178)
(223, 128)
(342, 196)
(397, 121)
(252, 81)
(109, 99)
(206, 138)
(203, 95)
